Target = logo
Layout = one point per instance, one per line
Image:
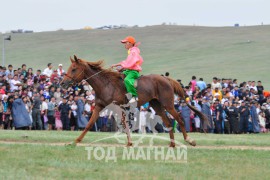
(146, 147)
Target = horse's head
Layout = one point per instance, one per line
(75, 73)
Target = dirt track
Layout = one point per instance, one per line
(121, 145)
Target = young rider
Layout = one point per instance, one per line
(131, 66)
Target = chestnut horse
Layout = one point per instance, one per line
(109, 87)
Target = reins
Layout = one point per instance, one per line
(74, 80)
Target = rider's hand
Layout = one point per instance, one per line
(119, 68)
(114, 65)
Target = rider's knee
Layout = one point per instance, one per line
(126, 81)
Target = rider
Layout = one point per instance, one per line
(131, 66)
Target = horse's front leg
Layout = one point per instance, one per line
(90, 124)
(126, 128)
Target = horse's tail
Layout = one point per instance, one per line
(178, 90)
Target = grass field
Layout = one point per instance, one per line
(184, 51)
(42, 155)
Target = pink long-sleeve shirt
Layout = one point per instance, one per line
(134, 60)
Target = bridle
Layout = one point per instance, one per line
(75, 81)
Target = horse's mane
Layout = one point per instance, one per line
(106, 73)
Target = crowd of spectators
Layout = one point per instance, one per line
(231, 107)
(34, 100)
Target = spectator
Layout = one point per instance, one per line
(65, 114)
(60, 70)
(15, 83)
(217, 94)
(54, 75)
(219, 117)
(185, 112)
(21, 119)
(86, 86)
(29, 72)
(36, 116)
(206, 110)
(201, 84)
(233, 118)
(254, 118)
(48, 71)
(253, 86)
(87, 108)
(51, 111)
(37, 75)
(244, 114)
(23, 70)
(193, 83)
(215, 84)
(44, 111)
(81, 120)
(73, 117)
(262, 122)
(260, 90)
(9, 70)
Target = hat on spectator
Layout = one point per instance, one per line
(264, 104)
(216, 94)
(60, 65)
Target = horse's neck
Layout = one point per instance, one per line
(96, 82)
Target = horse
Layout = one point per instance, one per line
(109, 88)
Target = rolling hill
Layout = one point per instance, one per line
(184, 51)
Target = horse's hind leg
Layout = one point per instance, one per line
(126, 129)
(155, 104)
(179, 119)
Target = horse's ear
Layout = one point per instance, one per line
(72, 60)
(75, 58)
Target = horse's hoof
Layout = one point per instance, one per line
(72, 144)
(191, 141)
(129, 144)
(172, 145)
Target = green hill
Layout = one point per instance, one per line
(230, 52)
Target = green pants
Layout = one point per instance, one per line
(131, 75)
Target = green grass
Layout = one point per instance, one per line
(184, 51)
(41, 161)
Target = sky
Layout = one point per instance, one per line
(50, 15)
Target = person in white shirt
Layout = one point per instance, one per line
(73, 119)
(60, 70)
(14, 83)
(44, 111)
(48, 71)
(87, 109)
(90, 96)
(253, 86)
(215, 84)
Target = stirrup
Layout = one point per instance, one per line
(133, 100)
